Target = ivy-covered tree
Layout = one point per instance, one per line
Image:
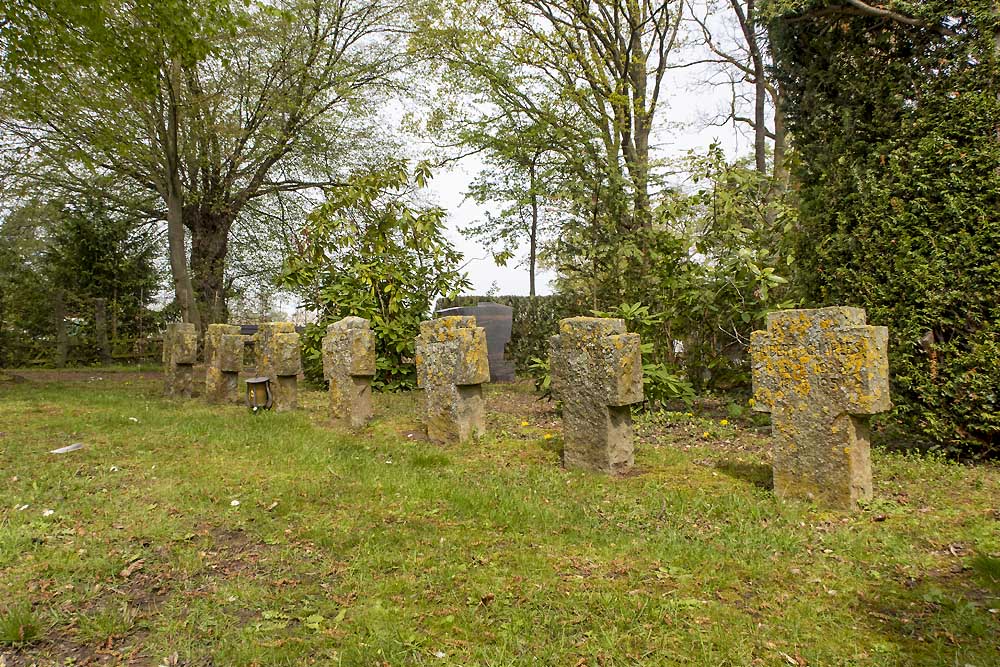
(894, 111)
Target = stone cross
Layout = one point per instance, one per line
(180, 351)
(452, 365)
(596, 370)
(264, 352)
(287, 364)
(820, 373)
(223, 362)
(349, 366)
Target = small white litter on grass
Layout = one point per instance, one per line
(68, 448)
(235, 503)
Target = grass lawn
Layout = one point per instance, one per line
(182, 534)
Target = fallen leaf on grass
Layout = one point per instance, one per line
(797, 661)
(132, 569)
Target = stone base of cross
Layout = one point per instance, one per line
(287, 364)
(596, 370)
(821, 373)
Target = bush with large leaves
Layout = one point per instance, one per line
(369, 252)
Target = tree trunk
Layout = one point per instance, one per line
(640, 180)
(62, 340)
(779, 169)
(101, 330)
(173, 193)
(760, 117)
(642, 125)
(183, 289)
(209, 244)
(533, 238)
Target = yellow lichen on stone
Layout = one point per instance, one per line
(819, 372)
(452, 364)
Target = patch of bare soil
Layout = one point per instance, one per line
(60, 652)
(142, 587)
(519, 399)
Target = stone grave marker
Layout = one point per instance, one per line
(264, 352)
(452, 364)
(821, 373)
(349, 366)
(287, 364)
(180, 351)
(263, 347)
(223, 362)
(497, 320)
(596, 372)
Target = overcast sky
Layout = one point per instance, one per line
(687, 107)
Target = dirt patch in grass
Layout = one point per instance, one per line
(64, 651)
(140, 590)
(516, 410)
(233, 553)
(719, 437)
(518, 399)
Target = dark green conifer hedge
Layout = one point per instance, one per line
(897, 131)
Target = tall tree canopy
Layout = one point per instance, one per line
(208, 107)
(586, 76)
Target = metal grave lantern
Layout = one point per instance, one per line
(259, 396)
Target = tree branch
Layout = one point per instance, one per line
(859, 8)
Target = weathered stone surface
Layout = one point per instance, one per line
(287, 354)
(263, 347)
(230, 353)
(452, 364)
(498, 321)
(287, 363)
(180, 351)
(596, 372)
(820, 373)
(349, 366)
(223, 362)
